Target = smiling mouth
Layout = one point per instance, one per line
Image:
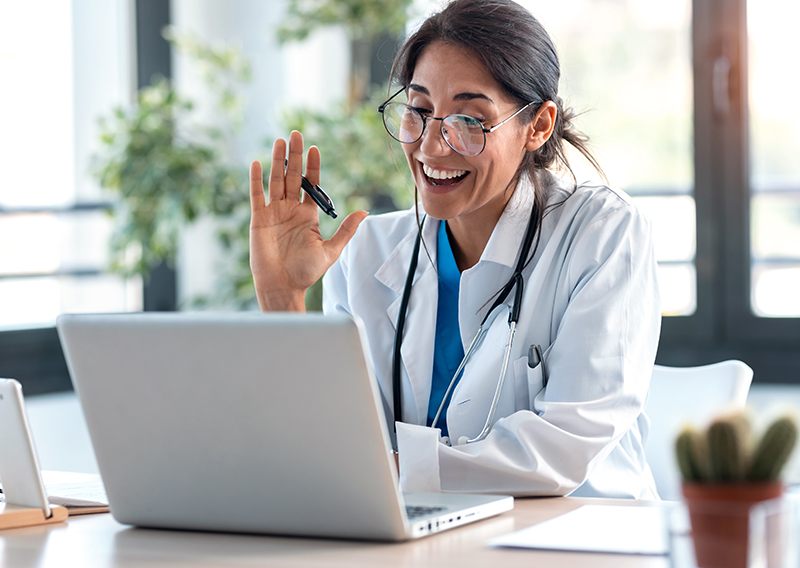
(441, 177)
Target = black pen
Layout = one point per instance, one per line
(317, 194)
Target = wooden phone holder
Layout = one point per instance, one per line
(14, 516)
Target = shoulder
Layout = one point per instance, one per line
(389, 228)
(377, 238)
(380, 234)
(586, 204)
(377, 242)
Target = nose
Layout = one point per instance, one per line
(433, 142)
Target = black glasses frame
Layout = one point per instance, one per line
(441, 120)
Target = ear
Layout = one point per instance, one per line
(541, 127)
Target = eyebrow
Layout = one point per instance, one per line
(458, 97)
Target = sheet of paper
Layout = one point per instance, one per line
(87, 493)
(81, 498)
(597, 528)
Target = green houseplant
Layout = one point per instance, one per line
(726, 469)
(165, 169)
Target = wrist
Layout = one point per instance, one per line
(273, 301)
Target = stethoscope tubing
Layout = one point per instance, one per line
(516, 281)
(512, 327)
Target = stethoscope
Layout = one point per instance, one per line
(516, 281)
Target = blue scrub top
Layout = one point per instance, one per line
(448, 350)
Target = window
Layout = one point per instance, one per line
(627, 72)
(666, 89)
(774, 159)
(54, 228)
(64, 64)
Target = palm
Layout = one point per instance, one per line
(286, 245)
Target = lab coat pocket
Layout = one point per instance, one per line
(528, 383)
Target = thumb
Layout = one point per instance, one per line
(344, 233)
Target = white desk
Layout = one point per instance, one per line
(99, 541)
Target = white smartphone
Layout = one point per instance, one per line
(19, 466)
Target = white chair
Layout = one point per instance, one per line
(687, 395)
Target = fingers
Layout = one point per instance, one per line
(294, 168)
(277, 179)
(344, 233)
(257, 200)
(313, 165)
(286, 173)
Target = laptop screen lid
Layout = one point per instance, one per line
(265, 423)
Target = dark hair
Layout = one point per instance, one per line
(519, 55)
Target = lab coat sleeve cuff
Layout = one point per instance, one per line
(418, 447)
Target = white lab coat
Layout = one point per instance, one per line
(591, 301)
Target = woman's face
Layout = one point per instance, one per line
(449, 80)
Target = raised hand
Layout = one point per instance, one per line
(287, 251)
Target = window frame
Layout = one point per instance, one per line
(724, 326)
(34, 356)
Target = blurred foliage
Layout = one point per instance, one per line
(362, 19)
(165, 169)
(164, 178)
(222, 68)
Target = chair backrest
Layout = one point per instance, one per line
(687, 395)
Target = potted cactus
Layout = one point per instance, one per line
(725, 471)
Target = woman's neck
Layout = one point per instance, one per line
(470, 233)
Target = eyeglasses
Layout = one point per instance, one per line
(464, 134)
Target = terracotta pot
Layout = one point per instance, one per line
(719, 516)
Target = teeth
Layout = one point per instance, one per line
(442, 174)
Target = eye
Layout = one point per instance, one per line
(472, 121)
(421, 110)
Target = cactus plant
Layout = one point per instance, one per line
(723, 452)
(773, 450)
(727, 453)
(689, 455)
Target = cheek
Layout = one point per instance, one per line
(408, 150)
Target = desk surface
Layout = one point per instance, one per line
(99, 541)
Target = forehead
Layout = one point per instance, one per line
(446, 71)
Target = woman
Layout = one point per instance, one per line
(499, 234)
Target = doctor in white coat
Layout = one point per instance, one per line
(558, 410)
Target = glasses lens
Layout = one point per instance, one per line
(464, 134)
(402, 122)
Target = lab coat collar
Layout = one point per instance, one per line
(394, 270)
(503, 245)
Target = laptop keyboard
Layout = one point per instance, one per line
(413, 512)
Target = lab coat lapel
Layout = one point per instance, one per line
(472, 398)
(420, 326)
(480, 283)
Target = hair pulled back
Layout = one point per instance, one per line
(519, 55)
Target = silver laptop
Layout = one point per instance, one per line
(246, 423)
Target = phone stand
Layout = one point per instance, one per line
(14, 516)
